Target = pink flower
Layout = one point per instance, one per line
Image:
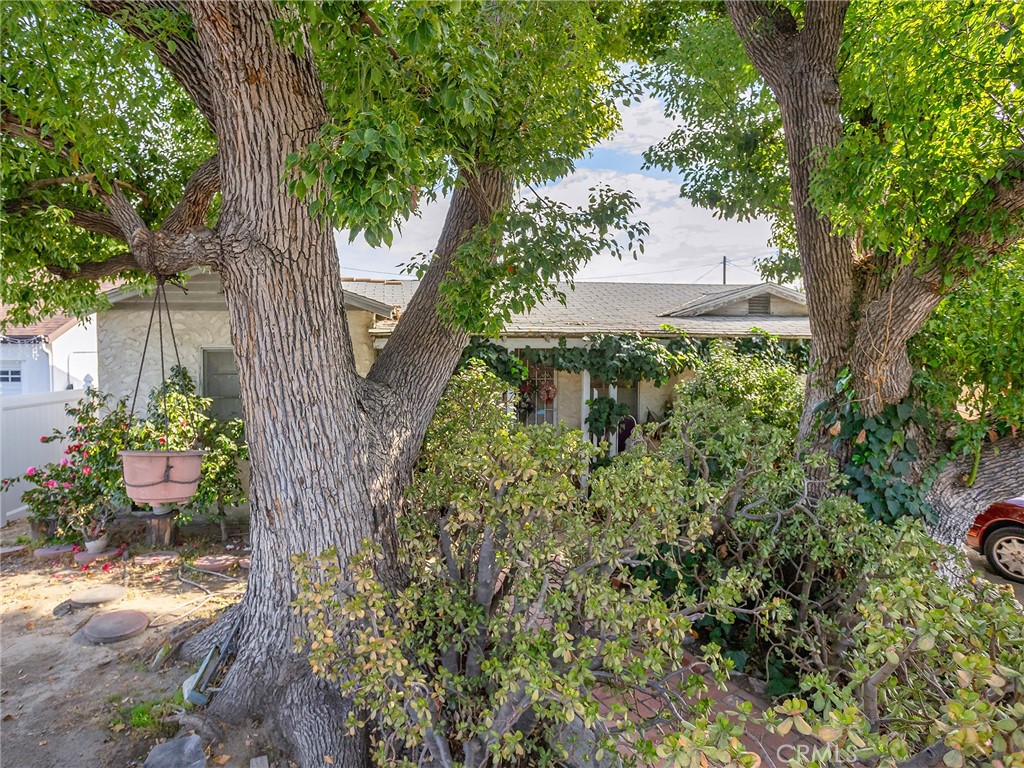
(30, 471)
(42, 439)
(86, 470)
(51, 483)
(63, 462)
(67, 485)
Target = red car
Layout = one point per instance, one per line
(999, 533)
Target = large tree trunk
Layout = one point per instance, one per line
(799, 65)
(331, 453)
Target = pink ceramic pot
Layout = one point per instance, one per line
(161, 477)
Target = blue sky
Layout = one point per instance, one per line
(685, 245)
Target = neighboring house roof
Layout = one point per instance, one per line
(203, 291)
(721, 299)
(45, 330)
(630, 308)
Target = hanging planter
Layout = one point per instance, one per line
(160, 477)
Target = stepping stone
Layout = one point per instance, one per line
(97, 595)
(216, 563)
(84, 558)
(156, 558)
(244, 563)
(11, 549)
(186, 752)
(115, 626)
(58, 550)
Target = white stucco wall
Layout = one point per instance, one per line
(359, 324)
(74, 356)
(121, 334)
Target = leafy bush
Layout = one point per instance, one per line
(79, 493)
(549, 607)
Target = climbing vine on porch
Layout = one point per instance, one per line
(627, 358)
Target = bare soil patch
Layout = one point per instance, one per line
(67, 702)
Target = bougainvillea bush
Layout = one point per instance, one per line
(548, 611)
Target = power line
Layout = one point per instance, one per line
(644, 274)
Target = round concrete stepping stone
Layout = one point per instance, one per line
(84, 558)
(57, 550)
(216, 563)
(115, 626)
(156, 558)
(11, 549)
(107, 593)
(244, 563)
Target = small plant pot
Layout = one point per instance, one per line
(161, 477)
(96, 546)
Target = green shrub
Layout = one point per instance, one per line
(539, 588)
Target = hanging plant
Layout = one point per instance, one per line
(164, 470)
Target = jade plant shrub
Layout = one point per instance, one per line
(882, 657)
(78, 494)
(523, 636)
(179, 419)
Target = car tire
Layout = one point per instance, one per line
(1004, 549)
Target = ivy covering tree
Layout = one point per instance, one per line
(146, 138)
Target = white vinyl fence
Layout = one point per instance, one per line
(24, 419)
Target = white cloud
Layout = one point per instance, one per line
(686, 244)
(643, 124)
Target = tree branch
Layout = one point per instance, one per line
(97, 270)
(881, 367)
(768, 32)
(92, 221)
(190, 212)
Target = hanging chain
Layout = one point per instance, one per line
(157, 313)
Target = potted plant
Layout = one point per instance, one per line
(163, 469)
(94, 528)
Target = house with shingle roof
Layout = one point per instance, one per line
(374, 308)
(51, 354)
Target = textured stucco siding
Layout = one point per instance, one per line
(122, 333)
(359, 324)
(120, 336)
(654, 400)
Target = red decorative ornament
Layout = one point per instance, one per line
(547, 392)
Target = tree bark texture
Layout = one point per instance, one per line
(799, 65)
(331, 453)
(1000, 477)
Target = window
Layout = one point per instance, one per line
(220, 383)
(538, 396)
(10, 377)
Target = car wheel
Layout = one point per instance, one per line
(1004, 549)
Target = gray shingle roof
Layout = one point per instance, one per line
(616, 308)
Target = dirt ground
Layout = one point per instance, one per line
(66, 702)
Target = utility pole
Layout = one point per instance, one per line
(723, 270)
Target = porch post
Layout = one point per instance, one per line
(584, 408)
